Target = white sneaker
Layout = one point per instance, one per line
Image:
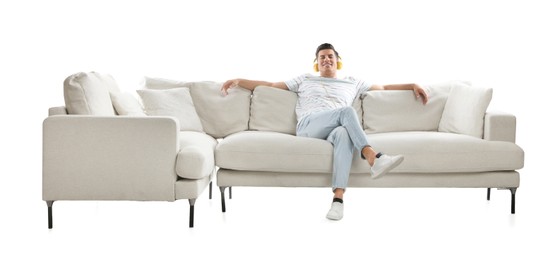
(384, 164)
(336, 211)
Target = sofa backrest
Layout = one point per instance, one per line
(399, 110)
(88, 93)
(220, 115)
(454, 106)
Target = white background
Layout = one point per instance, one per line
(505, 45)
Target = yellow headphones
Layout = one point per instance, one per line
(339, 64)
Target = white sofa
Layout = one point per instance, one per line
(107, 145)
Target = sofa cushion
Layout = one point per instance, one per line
(273, 109)
(195, 159)
(425, 152)
(399, 110)
(126, 105)
(221, 115)
(162, 83)
(439, 152)
(172, 102)
(465, 109)
(88, 93)
(271, 151)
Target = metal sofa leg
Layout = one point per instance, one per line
(191, 212)
(210, 191)
(230, 192)
(222, 196)
(489, 192)
(513, 198)
(49, 204)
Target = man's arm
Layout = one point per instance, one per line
(419, 92)
(250, 84)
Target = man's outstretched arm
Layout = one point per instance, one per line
(419, 92)
(250, 84)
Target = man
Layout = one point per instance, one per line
(324, 111)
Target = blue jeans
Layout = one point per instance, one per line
(342, 128)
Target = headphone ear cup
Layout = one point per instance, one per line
(339, 65)
(316, 67)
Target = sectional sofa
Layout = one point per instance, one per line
(173, 138)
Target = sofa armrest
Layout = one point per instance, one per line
(109, 158)
(499, 126)
(53, 111)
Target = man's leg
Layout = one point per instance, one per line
(321, 124)
(342, 158)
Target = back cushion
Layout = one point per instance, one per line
(176, 102)
(273, 109)
(220, 115)
(161, 83)
(399, 110)
(88, 93)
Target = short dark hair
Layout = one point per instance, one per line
(326, 46)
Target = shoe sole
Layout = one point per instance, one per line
(333, 217)
(389, 168)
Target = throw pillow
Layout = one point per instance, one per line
(126, 105)
(175, 102)
(465, 110)
(89, 93)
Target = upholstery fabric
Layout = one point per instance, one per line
(465, 109)
(273, 109)
(172, 102)
(270, 151)
(88, 93)
(399, 110)
(425, 152)
(195, 159)
(221, 115)
(162, 83)
(126, 105)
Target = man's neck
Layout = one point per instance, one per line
(328, 75)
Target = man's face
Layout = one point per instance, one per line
(327, 61)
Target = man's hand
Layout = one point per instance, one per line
(420, 93)
(229, 84)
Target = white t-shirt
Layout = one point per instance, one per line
(320, 94)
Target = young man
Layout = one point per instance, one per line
(324, 111)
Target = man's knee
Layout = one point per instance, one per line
(338, 133)
(348, 111)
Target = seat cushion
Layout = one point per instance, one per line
(271, 151)
(445, 152)
(425, 152)
(195, 159)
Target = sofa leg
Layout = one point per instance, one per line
(230, 192)
(513, 198)
(489, 192)
(222, 196)
(191, 212)
(210, 191)
(49, 204)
